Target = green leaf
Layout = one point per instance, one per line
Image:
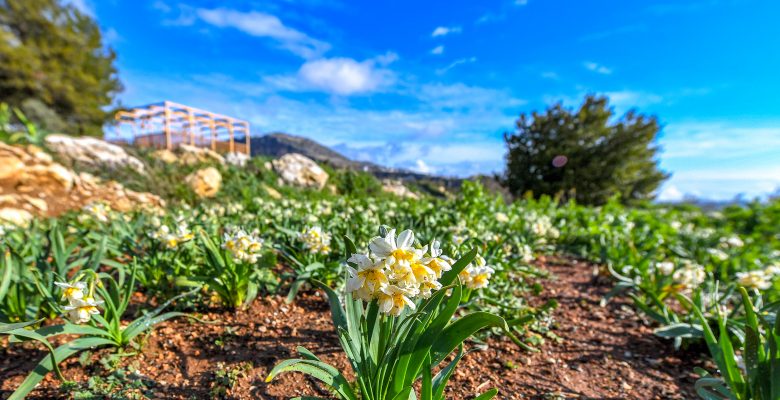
(454, 334)
(440, 380)
(337, 312)
(487, 395)
(709, 388)
(325, 373)
(45, 365)
(142, 324)
(426, 391)
(680, 329)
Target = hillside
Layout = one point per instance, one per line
(278, 144)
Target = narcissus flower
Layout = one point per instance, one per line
(477, 274)
(80, 311)
(315, 240)
(393, 299)
(754, 280)
(394, 271)
(72, 291)
(243, 246)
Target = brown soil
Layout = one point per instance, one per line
(605, 353)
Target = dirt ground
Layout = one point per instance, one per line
(605, 353)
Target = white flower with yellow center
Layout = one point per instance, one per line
(690, 276)
(754, 280)
(393, 299)
(80, 311)
(665, 267)
(316, 240)
(243, 246)
(368, 279)
(72, 291)
(477, 274)
(437, 262)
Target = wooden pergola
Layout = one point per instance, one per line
(166, 125)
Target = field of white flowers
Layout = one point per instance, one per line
(413, 286)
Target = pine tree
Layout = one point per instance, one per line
(584, 155)
(52, 55)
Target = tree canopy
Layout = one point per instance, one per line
(585, 154)
(55, 66)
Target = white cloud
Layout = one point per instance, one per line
(460, 96)
(260, 24)
(624, 99)
(442, 71)
(445, 30)
(722, 140)
(598, 68)
(438, 50)
(387, 58)
(521, 2)
(670, 193)
(423, 168)
(550, 75)
(344, 76)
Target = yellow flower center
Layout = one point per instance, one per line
(403, 255)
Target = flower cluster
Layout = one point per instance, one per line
(542, 227)
(170, 239)
(758, 279)
(477, 274)
(97, 211)
(394, 272)
(243, 246)
(81, 305)
(315, 240)
(690, 275)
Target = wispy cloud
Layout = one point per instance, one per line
(596, 67)
(260, 24)
(550, 75)
(445, 30)
(437, 50)
(442, 71)
(521, 2)
(625, 99)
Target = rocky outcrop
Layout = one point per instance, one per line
(92, 152)
(15, 216)
(32, 184)
(397, 188)
(191, 155)
(165, 156)
(236, 159)
(205, 182)
(298, 170)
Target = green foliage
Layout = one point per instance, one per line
(349, 182)
(759, 377)
(603, 157)
(54, 60)
(388, 354)
(16, 128)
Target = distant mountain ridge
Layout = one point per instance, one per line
(278, 144)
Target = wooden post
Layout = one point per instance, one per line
(213, 134)
(232, 143)
(167, 115)
(246, 132)
(192, 126)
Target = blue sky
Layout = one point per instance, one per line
(432, 85)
